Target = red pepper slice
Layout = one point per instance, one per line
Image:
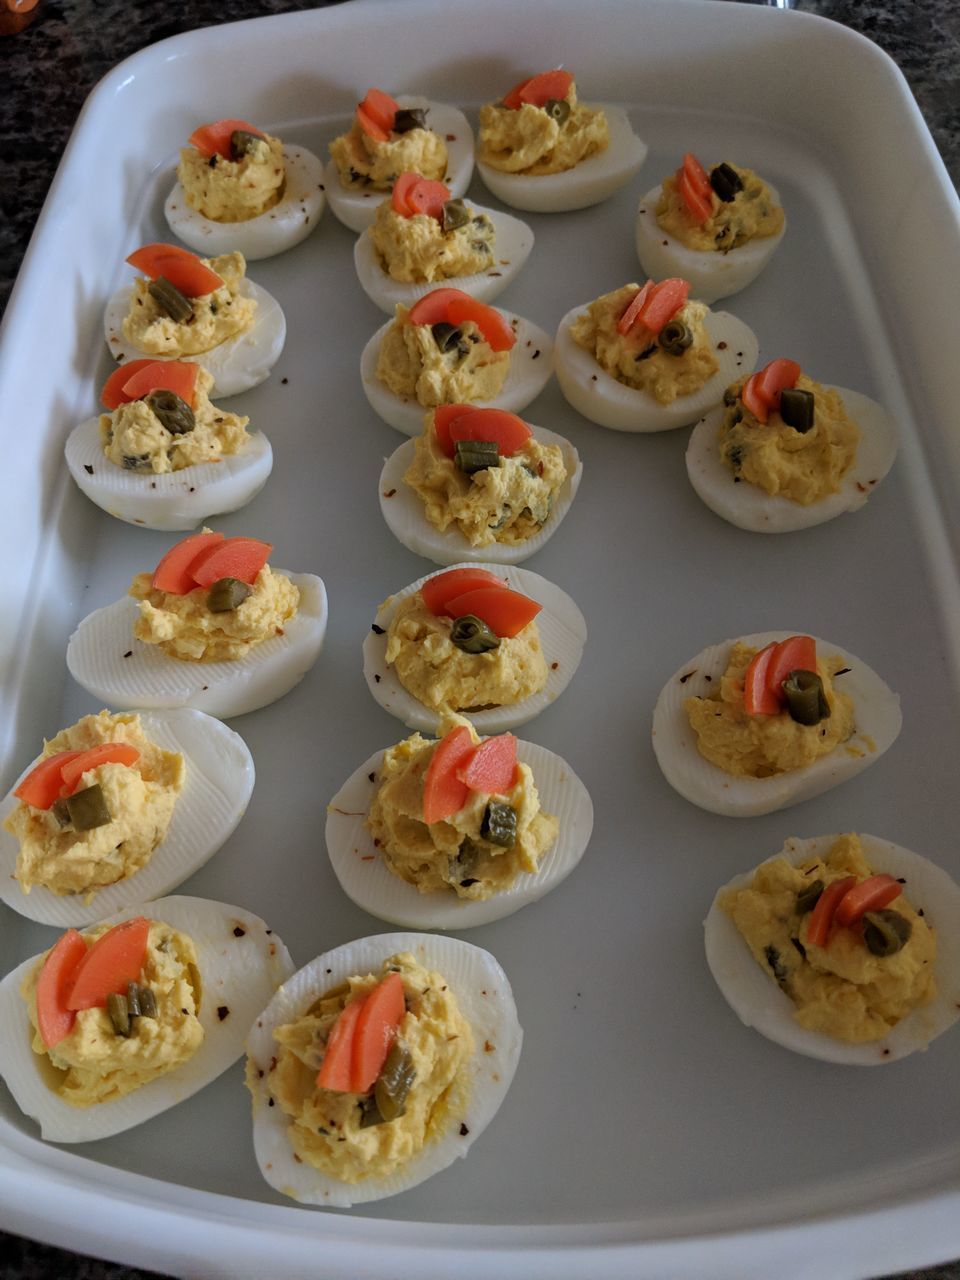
(821, 917)
(872, 894)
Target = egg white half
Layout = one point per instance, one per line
(877, 722)
(175, 500)
(563, 634)
(367, 881)
(235, 365)
(288, 222)
(486, 1001)
(531, 364)
(601, 398)
(218, 783)
(357, 209)
(711, 274)
(511, 248)
(758, 1001)
(587, 183)
(748, 507)
(238, 973)
(404, 513)
(96, 658)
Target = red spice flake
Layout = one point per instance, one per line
(223, 1012)
(554, 666)
(390, 493)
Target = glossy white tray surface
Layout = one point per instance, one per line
(646, 1132)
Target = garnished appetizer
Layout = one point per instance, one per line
(113, 1026)
(650, 358)
(199, 309)
(785, 452)
(542, 149)
(448, 348)
(763, 722)
(378, 1064)
(148, 460)
(421, 236)
(213, 627)
(478, 482)
(456, 832)
(390, 136)
(843, 947)
(718, 229)
(118, 809)
(498, 645)
(240, 188)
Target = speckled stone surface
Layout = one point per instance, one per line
(46, 73)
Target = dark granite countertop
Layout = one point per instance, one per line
(46, 73)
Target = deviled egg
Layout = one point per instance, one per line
(554, 642)
(239, 188)
(450, 989)
(718, 229)
(405, 254)
(541, 149)
(208, 969)
(447, 502)
(201, 310)
(461, 871)
(649, 359)
(772, 461)
(449, 348)
(165, 456)
(225, 636)
(389, 136)
(837, 984)
(190, 787)
(862, 718)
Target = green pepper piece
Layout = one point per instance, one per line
(136, 462)
(675, 338)
(169, 299)
(471, 634)
(394, 1083)
(499, 824)
(408, 118)
(88, 809)
(61, 812)
(885, 932)
(146, 1001)
(448, 337)
(808, 897)
(557, 109)
(174, 414)
(806, 700)
(455, 214)
(369, 1111)
(796, 408)
(726, 182)
(119, 1014)
(475, 455)
(227, 594)
(243, 143)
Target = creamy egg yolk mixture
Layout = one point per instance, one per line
(751, 214)
(804, 466)
(529, 141)
(140, 799)
(92, 1063)
(841, 988)
(441, 676)
(364, 162)
(453, 855)
(412, 364)
(635, 358)
(136, 439)
(233, 190)
(417, 249)
(507, 503)
(758, 746)
(325, 1126)
(186, 628)
(217, 316)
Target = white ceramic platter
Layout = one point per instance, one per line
(697, 1167)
